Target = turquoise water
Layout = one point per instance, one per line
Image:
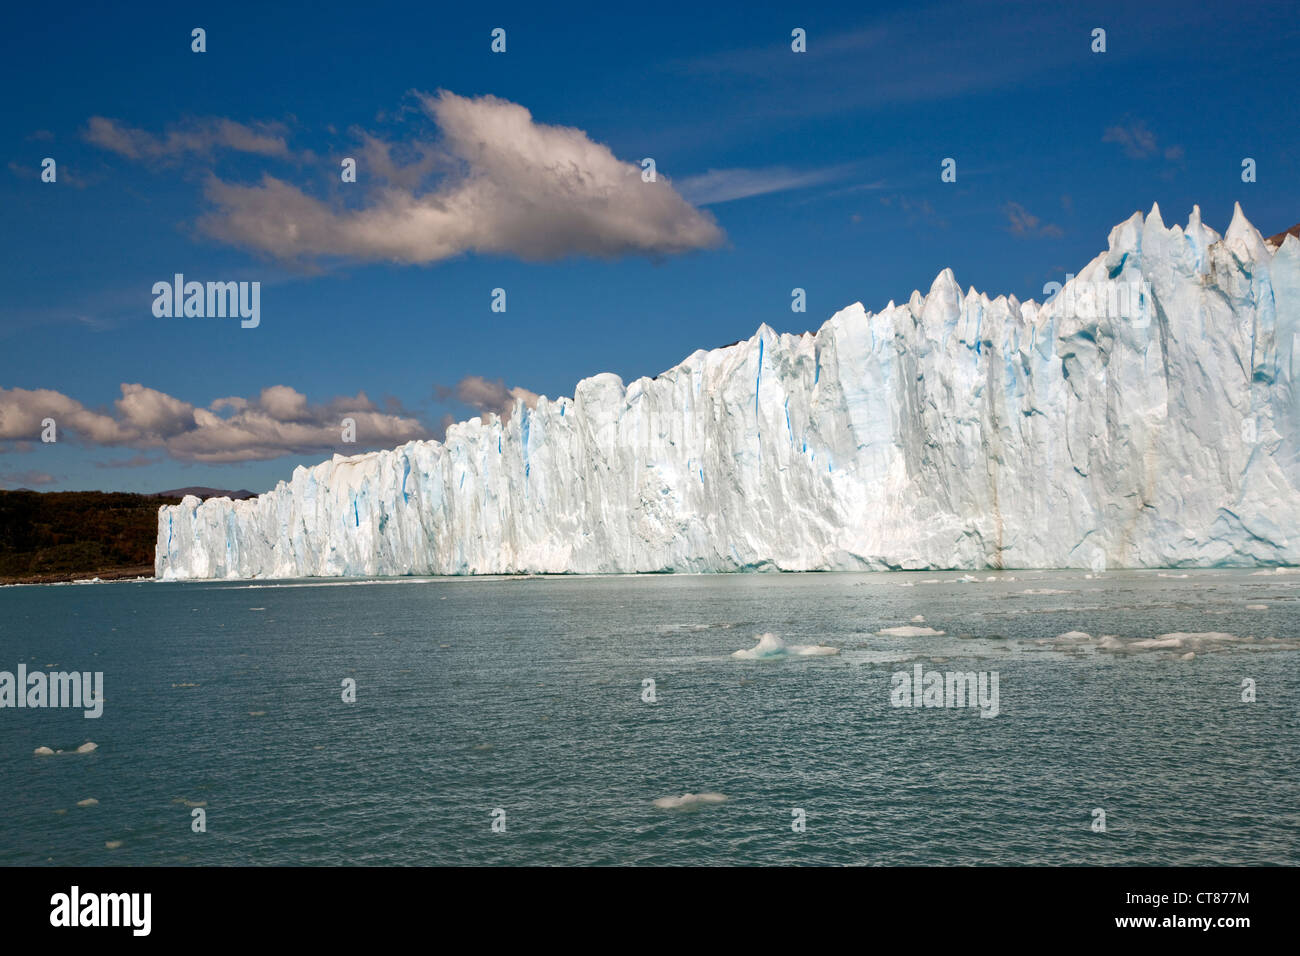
(525, 695)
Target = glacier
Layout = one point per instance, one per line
(1144, 416)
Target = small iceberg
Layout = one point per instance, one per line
(909, 630)
(770, 647)
(85, 748)
(689, 801)
(1187, 645)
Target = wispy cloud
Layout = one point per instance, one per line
(135, 461)
(940, 51)
(1139, 142)
(201, 137)
(1021, 222)
(26, 479)
(1133, 136)
(726, 185)
(915, 210)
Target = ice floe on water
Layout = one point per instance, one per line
(908, 630)
(88, 747)
(771, 647)
(1185, 644)
(679, 628)
(689, 801)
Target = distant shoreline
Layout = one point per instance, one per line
(67, 577)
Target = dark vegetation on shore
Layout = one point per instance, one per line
(62, 535)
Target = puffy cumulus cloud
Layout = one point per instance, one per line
(487, 396)
(279, 421)
(283, 403)
(509, 186)
(154, 413)
(198, 137)
(22, 411)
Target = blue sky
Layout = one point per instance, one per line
(818, 170)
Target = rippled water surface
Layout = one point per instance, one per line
(525, 695)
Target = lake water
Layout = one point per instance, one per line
(525, 695)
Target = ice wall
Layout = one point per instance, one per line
(1146, 416)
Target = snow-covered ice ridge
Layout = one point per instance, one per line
(953, 431)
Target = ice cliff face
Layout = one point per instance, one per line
(1147, 415)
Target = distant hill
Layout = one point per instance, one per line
(206, 493)
(64, 535)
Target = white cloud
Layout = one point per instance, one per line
(513, 186)
(279, 421)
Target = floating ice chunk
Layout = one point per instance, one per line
(87, 747)
(689, 801)
(919, 619)
(1181, 639)
(771, 647)
(908, 630)
(44, 752)
(88, 802)
(1186, 641)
